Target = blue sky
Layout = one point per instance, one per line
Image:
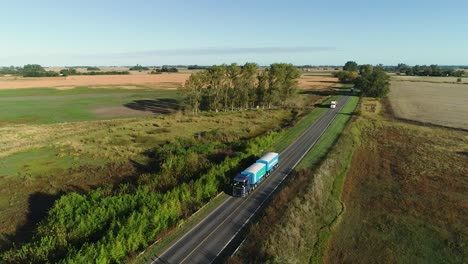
(61, 33)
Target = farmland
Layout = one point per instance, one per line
(429, 79)
(404, 195)
(136, 80)
(387, 192)
(132, 81)
(428, 102)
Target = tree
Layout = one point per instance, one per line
(351, 66)
(33, 70)
(347, 76)
(217, 84)
(262, 88)
(283, 79)
(401, 67)
(248, 79)
(366, 69)
(192, 91)
(36, 70)
(374, 84)
(233, 95)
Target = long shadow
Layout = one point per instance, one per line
(329, 92)
(39, 204)
(157, 106)
(322, 81)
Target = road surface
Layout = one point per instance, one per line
(208, 239)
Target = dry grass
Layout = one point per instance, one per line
(136, 80)
(167, 81)
(437, 103)
(404, 194)
(311, 82)
(428, 79)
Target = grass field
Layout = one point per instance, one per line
(404, 194)
(47, 105)
(437, 103)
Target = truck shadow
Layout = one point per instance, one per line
(157, 106)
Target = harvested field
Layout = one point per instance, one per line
(311, 82)
(164, 81)
(436, 103)
(404, 195)
(428, 79)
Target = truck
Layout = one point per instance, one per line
(247, 180)
(333, 104)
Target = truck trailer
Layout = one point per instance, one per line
(270, 159)
(247, 180)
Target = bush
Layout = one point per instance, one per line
(106, 226)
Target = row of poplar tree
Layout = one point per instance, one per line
(233, 87)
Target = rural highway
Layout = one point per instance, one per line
(205, 242)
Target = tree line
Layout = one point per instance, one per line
(164, 69)
(233, 87)
(431, 70)
(36, 70)
(72, 71)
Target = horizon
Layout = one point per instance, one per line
(119, 33)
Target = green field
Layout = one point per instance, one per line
(46, 106)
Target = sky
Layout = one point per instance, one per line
(206, 32)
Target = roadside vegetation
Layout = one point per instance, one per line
(290, 229)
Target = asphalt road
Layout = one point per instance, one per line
(205, 242)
